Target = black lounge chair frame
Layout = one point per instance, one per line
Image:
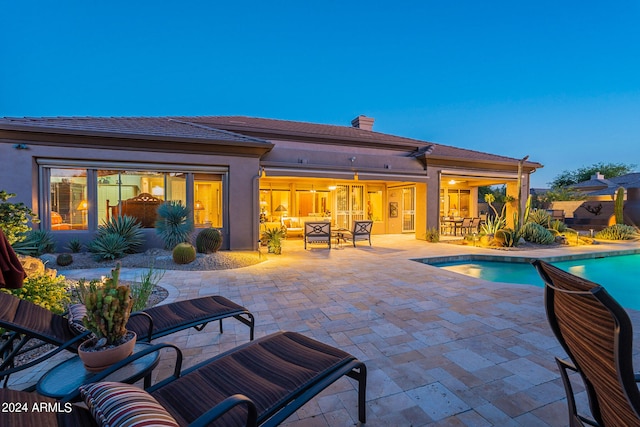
(25, 322)
(597, 334)
(262, 382)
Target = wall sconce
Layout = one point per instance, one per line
(83, 205)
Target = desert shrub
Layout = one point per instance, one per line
(173, 224)
(47, 290)
(126, 226)
(432, 235)
(540, 216)
(141, 290)
(506, 237)
(618, 232)
(14, 218)
(74, 245)
(108, 246)
(36, 243)
(536, 233)
(558, 226)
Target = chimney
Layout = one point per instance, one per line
(363, 122)
(598, 175)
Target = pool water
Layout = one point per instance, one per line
(618, 274)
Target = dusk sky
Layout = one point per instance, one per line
(557, 80)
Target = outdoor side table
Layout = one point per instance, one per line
(66, 377)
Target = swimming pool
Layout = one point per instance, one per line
(618, 274)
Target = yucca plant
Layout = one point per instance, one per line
(173, 224)
(126, 226)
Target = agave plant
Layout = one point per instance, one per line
(36, 243)
(108, 246)
(173, 224)
(126, 226)
(493, 224)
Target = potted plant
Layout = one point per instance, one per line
(108, 304)
(274, 237)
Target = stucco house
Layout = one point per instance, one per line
(236, 171)
(596, 209)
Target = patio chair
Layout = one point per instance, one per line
(465, 226)
(361, 230)
(475, 225)
(259, 383)
(25, 321)
(596, 333)
(317, 232)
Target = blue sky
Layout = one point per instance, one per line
(557, 80)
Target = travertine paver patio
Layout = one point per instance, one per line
(441, 349)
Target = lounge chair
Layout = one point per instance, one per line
(25, 321)
(259, 383)
(317, 232)
(361, 230)
(596, 333)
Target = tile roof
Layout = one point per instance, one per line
(158, 127)
(349, 133)
(240, 129)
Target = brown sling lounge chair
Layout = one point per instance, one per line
(25, 321)
(259, 383)
(596, 333)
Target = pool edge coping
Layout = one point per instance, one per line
(523, 258)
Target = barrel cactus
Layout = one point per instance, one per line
(208, 240)
(184, 253)
(64, 259)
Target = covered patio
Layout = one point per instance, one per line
(441, 349)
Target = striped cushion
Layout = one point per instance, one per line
(75, 314)
(115, 404)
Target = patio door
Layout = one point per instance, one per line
(349, 204)
(408, 209)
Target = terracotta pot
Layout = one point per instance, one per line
(96, 361)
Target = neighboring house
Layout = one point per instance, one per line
(596, 209)
(234, 171)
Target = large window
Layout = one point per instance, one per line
(81, 198)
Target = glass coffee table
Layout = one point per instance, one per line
(66, 377)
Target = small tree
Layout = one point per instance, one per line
(14, 218)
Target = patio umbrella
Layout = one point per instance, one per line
(12, 274)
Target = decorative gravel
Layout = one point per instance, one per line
(162, 259)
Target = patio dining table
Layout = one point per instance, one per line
(454, 224)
